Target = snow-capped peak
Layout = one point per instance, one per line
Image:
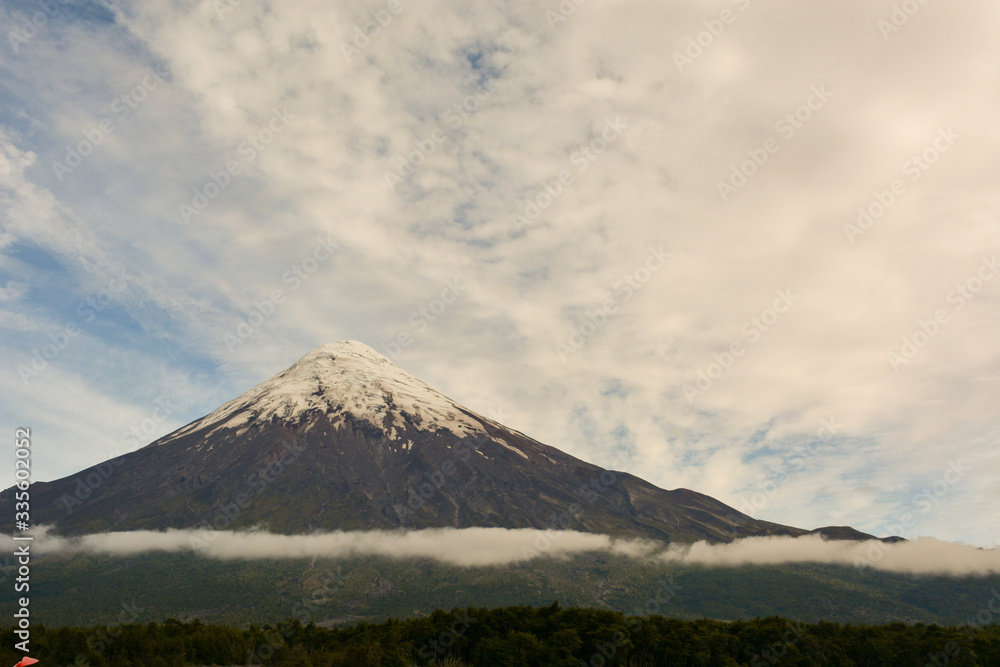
(340, 380)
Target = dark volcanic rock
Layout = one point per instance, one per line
(345, 440)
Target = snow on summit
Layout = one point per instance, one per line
(340, 380)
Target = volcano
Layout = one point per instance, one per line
(346, 440)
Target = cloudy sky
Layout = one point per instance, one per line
(739, 248)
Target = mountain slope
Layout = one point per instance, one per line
(344, 439)
(81, 589)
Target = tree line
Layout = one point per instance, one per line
(515, 637)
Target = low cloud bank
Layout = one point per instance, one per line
(476, 547)
(925, 555)
(466, 547)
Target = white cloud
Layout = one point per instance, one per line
(476, 547)
(925, 556)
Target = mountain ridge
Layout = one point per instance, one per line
(343, 439)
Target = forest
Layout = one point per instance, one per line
(549, 636)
